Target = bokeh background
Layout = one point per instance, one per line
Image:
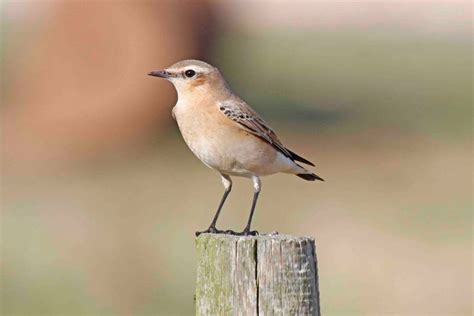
(101, 197)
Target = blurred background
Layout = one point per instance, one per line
(101, 197)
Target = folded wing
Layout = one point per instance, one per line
(241, 113)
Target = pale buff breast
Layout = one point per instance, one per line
(220, 144)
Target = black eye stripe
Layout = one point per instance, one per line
(189, 73)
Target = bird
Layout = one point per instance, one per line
(226, 134)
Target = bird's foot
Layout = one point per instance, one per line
(245, 232)
(211, 230)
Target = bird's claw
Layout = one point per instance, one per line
(211, 230)
(245, 232)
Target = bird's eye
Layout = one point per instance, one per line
(189, 73)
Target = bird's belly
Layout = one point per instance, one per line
(229, 149)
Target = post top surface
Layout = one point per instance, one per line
(270, 236)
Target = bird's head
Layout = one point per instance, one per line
(189, 76)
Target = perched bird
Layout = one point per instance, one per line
(226, 134)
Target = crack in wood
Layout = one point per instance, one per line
(256, 275)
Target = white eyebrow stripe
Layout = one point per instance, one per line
(195, 68)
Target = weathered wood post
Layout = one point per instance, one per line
(256, 275)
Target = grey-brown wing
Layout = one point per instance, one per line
(248, 119)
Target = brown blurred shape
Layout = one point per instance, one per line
(76, 76)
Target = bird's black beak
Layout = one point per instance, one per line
(160, 73)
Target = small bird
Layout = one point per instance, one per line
(226, 134)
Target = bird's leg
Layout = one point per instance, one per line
(226, 180)
(257, 185)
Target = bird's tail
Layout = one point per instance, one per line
(309, 176)
(306, 174)
(303, 173)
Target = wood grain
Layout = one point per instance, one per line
(256, 275)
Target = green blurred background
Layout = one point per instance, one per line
(101, 197)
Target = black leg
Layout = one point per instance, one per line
(212, 228)
(249, 223)
(247, 231)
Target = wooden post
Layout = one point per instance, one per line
(256, 275)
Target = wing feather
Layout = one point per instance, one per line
(241, 113)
